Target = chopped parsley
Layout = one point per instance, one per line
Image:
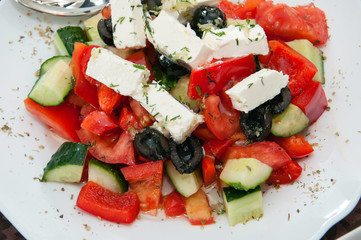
(139, 66)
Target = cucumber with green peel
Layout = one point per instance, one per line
(66, 37)
(185, 184)
(53, 86)
(312, 53)
(107, 175)
(49, 63)
(245, 173)
(179, 92)
(91, 28)
(242, 206)
(290, 122)
(67, 163)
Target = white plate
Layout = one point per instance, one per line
(328, 189)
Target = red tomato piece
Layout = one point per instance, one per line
(111, 206)
(174, 205)
(208, 170)
(198, 210)
(106, 11)
(285, 174)
(62, 119)
(283, 58)
(218, 147)
(108, 98)
(128, 120)
(145, 118)
(140, 58)
(240, 11)
(83, 88)
(115, 148)
(202, 132)
(221, 120)
(312, 101)
(212, 77)
(269, 153)
(282, 22)
(296, 146)
(146, 180)
(98, 122)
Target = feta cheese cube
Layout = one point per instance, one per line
(176, 41)
(115, 72)
(175, 117)
(257, 89)
(128, 24)
(237, 41)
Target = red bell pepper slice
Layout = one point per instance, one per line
(83, 88)
(63, 119)
(84, 63)
(140, 58)
(212, 77)
(312, 101)
(98, 122)
(111, 148)
(283, 58)
(208, 170)
(146, 180)
(198, 210)
(174, 205)
(296, 146)
(285, 174)
(111, 206)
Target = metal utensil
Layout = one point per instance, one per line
(65, 7)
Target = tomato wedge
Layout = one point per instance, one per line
(221, 120)
(116, 148)
(127, 120)
(98, 122)
(174, 205)
(62, 119)
(146, 180)
(212, 77)
(111, 206)
(198, 210)
(245, 10)
(208, 170)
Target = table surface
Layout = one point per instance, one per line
(349, 223)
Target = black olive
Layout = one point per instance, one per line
(187, 155)
(207, 15)
(151, 144)
(105, 31)
(281, 101)
(256, 124)
(171, 68)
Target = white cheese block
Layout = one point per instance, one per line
(128, 24)
(182, 5)
(257, 89)
(115, 72)
(176, 41)
(175, 117)
(237, 41)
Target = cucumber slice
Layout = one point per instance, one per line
(290, 122)
(107, 175)
(186, 184)
(245, 173)
(91, 28)
(312, 53)
(66, 37)
(49, 63)
(242, 206)
(66, 165)
(52, 87)
(96, 43)
(179, 92)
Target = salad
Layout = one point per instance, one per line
(207, 93)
